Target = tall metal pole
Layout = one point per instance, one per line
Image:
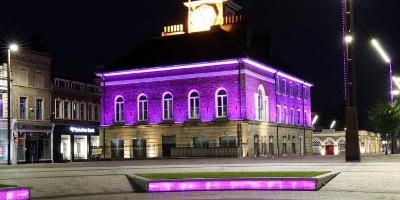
(352, 139)
(9, 107)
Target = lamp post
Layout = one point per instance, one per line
(11, 48)
(387, 60)
(350, 82)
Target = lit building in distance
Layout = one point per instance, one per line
(198, 92)
(330, 142)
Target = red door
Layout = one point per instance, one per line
(329, 150)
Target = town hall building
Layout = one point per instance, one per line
(197, 91)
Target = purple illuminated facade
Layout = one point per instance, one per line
(233, 184)
(265, 110)
(240, 78)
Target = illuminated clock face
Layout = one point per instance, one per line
(202, 18)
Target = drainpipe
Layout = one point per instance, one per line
(103, 100)
(240, 104)
(276, 116)
(304, 125)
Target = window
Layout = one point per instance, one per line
(119, 109)
(271, 145)
(96, 112)
(194, 105)
(200, 142)
(277, 85)
(291, 116)
(284, 147)
(305, 95)
(298, 117)
(82, 111)
(305, 118)
(1, 105)
(342, 145)
(74, 110)
(39, 79)
(284, 115)
(284, 87)
(227, 141)
(222, 104)
(278, 114)
(23, 76)
(90, 112)
(261, 104)
(167, 106)
(291, 89)
(66, 109)
(294, 145)
(39, 109)
(298, 91)
(142, 104)
(58, 109)
(22, 108)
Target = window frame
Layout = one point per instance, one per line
(121, 109)
(170, 107)
(224, 106)
(196, 108)
(36, 109)
(143, 108)
(26, 107)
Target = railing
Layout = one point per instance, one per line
(234, 19)
(173, 30)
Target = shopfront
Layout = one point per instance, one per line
(33, 142)
(76, 142)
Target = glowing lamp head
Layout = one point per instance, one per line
(13, 47)
(380, 50)
(348, 39)
(396, 92)
(333, 124)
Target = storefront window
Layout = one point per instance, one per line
(227, 141)
(66, 147)
(117, 148)
(80, 147)
(3, 146)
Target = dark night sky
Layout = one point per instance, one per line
(81, 35)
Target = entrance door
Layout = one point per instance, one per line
(329, 150)
(168, 142)
(32, 153)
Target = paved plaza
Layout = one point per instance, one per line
(376, 177)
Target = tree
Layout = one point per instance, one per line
(385, 118)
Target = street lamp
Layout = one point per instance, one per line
(314, 121)
(11, 48)
(385, 58)
(333, 124)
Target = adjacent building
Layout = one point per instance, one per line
(331, 142)
(30, 108)
(197, 92)
(76, 116)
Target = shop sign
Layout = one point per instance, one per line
(97, 151)
(81, 130)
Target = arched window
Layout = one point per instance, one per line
(167, 106)
(142, 111)
(194, 105)
(222, 104)
(316, 143)
(119, 109)
(342, 145)
(261, 104)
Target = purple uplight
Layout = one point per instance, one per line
(233, 184)
(15, 194)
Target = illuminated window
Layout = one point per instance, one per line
(305, 118)
(23, 114)
(291, 116)
(74, 110)
(194, 105)
(142, 104)
(277, 85)
(284, 115)
(284, 87)
(261, 104)
(291, 89)
(298, 117)
(119, 109)
(278, 113)
(167, 106)
(222, 104)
